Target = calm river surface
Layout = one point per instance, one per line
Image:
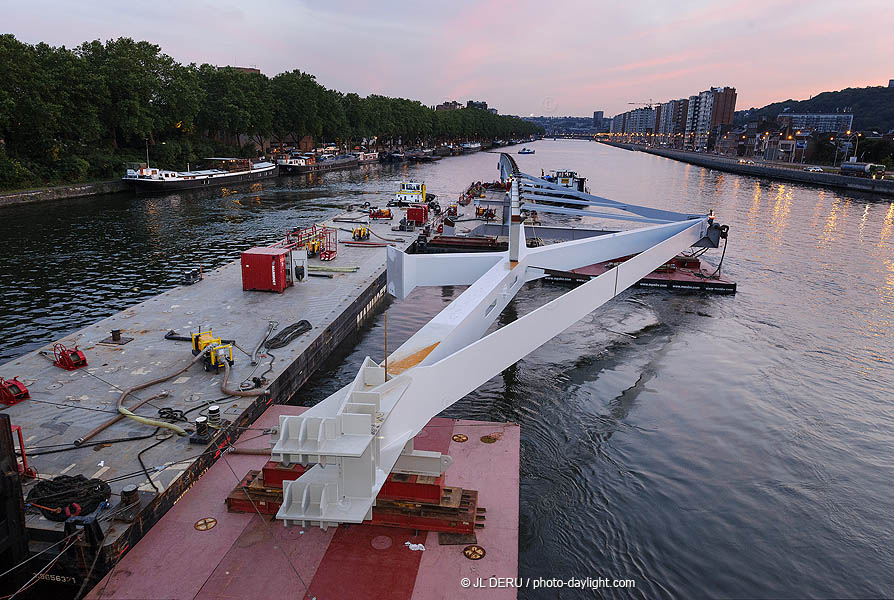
(736, 446)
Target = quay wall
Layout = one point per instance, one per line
(61, 192)
(856, 184)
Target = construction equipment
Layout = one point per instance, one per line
(380, 214)
(219, 352)
(68, 359)
(487, 214)
(360, 233)
(12, 391)
(321, 242)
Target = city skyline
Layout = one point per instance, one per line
(560, 64)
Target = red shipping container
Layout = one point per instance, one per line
(417, 213)
(264, 269)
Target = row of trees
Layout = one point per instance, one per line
(71, 114)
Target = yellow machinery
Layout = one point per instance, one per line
(219, 351)
(313, 246)
(361, 233)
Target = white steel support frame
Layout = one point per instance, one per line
(357, 436)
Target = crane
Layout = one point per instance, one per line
(646, 104)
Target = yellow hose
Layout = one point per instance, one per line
(151, 422)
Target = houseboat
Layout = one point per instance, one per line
(365, 158)
(329, 162)
(218, 171)
(469, 147)
(295, 163)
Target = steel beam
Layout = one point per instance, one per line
(360, 434)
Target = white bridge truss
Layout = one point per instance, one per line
(360, 434)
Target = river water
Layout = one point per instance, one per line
(704, 446)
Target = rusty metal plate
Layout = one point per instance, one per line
(474, 552)
(205, 524)
(460, 437)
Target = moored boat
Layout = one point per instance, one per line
(526, 151)
(469, 147)
(221, 171)
(295, 163)
(365, 158)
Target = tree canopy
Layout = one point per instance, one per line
(71, 114)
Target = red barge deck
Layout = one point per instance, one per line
(680, 274)
(199, 550)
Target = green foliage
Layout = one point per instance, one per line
(873, 108)
(67, 115)
(13, 174)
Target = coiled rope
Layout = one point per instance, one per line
(67, 496)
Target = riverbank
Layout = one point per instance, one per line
(856, 184)
(61, 192)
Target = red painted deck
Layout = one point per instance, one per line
(688, 274)
(244, 556)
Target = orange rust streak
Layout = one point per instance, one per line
(398, 367)
(513, 264)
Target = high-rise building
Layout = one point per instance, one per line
(641, 120)
(891, 83)
(618, 123)
(672, 122)
(597, 119)
(705, 111)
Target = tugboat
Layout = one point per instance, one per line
(569, 179)
(221, 171)
(526, 151)
(411, 192)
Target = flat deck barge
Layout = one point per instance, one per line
(66, 405)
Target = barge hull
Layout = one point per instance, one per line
(153, 186)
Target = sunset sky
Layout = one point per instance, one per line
(522, 57)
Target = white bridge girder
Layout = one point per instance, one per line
(357, 436)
